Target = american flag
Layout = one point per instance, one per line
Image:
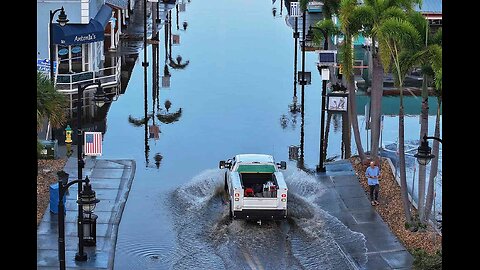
(294, 9)
(93, 144)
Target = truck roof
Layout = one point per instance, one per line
(248, 158)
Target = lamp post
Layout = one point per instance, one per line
(62, 20)
(63, 186)
(154, 19)
(325, 73)
(296, 35)
(88, 201)
(145, 65)
(99, 99)
(424, 152)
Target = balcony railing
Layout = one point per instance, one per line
(68, 83)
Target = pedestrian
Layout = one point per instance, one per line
(372, 174)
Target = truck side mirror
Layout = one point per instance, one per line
(283, 165)
(221, 165)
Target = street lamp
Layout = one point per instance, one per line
(424, 152)
(100, 97)
(81, 256)
(62, 20)
(63, 186)
(88, 202)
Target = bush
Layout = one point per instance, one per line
(424, 261)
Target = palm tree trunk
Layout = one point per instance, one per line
(346, 138)
(327, 131)
(352, 107)
(401, 153)
(422, 170)
(434, 166)
(376, 109)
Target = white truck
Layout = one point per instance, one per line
(255, 187)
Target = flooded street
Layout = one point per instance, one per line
(227, 98)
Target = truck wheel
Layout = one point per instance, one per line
(230, 212)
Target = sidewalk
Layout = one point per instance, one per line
(347, 201)
(111, 180)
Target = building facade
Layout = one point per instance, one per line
(81, 47)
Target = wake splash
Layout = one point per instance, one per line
(310, 238)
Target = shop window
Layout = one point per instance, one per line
(76, 58)
(62, 57)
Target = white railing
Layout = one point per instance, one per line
(69, 82)
(69, 86)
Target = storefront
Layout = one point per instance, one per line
(79, 47)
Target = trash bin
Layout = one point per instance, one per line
(49, 149)
(54, 197)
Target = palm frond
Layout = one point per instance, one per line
(408, 4)
(331, 7)
(324, 28)
(393, 12)
(385, 55)
(437, 37)
(138, 122)
(407, 60)
(400, 31)
(365, 15)
(419, 22)
(170, 117)
(50, 103)
(303, 5)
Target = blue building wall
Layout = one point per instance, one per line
(73, 11)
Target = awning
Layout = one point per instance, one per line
(77, 33)
(104, 15)
(123, 4)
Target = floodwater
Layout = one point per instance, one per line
(227, 98)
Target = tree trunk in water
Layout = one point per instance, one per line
(376, 108)
(353, 117)
(327, 131)
(422, 170)
(346, 138)
(434, 166)
(401, 157)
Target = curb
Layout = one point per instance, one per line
(118, 217)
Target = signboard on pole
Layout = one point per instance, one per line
(337, 102)
(175, 39)
(93, 144)
(294, 9)
(43, 65)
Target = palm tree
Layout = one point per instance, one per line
(425, 56)
(51, 104)
(396, 37)
(350, 27)
(437, 67)
(329, 9)
(372, 14)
